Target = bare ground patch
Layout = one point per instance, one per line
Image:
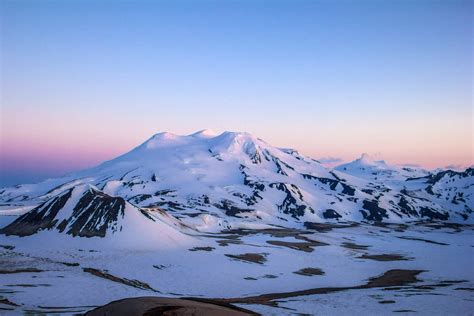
(384, 257)
(390, 278)
(24, 270)
(424, 240)
(202, 249)
(354, 246)
(150, 306)
(259, 258)
(309, 271)
(134, 283)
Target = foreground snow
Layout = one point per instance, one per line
(221, 267)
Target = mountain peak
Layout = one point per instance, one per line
(164, 136)
(161, 139)
(370, 159)
(205, 133)
(365, 157)
(366, 162)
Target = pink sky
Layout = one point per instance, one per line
(79, 86)
(55, 147)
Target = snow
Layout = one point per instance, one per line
(176, 271)
(186, 191)
(208, 167)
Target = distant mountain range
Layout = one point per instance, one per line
(208, 182)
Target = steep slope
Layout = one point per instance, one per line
(452, 190)
(84, 211)
(212, 182)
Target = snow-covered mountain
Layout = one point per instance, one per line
(368, 167)
(84, 211)
(206, 182)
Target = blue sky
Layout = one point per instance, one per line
(83, 81)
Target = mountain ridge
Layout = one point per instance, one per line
(216, 181)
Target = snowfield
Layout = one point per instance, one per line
(45, 276)
(235, 220)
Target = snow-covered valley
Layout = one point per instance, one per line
(314, 271)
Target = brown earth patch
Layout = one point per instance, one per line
(390, 278)
(301, 246)
(151, 306)
(424, 240)
(5, 301)
(351, 245)
(309, 271)
(202, 249)
(384, 257)
(470, 289)
(326, 227)
(227, 242)
(70, 264)
(25, 270)
(134, 283)
(29, 285)
(250, 257)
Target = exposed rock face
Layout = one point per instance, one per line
(41, 217)
(85, 211)
(94, 214)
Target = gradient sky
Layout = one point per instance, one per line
(84, 81)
